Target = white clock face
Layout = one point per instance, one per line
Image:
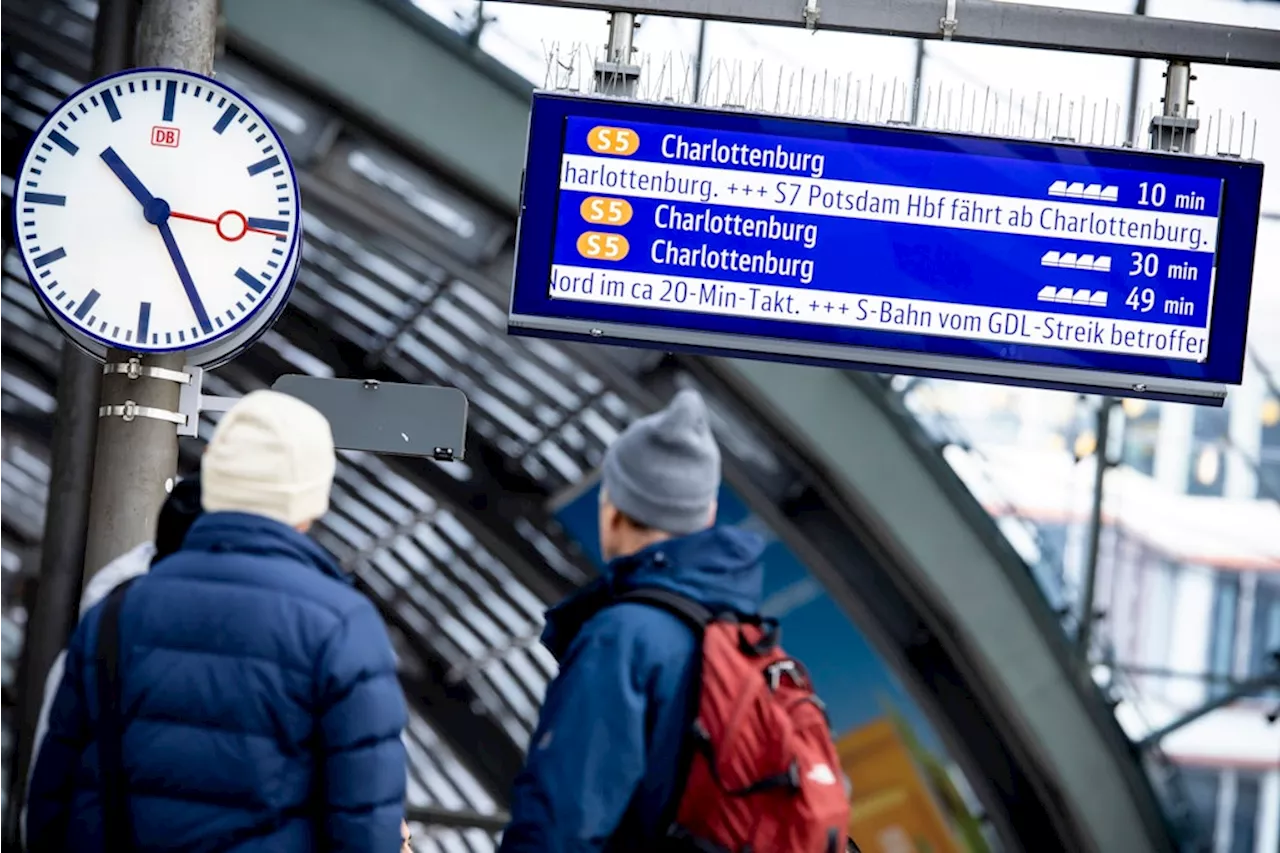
(158, 211)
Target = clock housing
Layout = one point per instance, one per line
(157, 210)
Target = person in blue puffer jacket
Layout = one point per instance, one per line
(260, 702)
(180, 509)
(603, 771)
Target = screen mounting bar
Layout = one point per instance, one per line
(983, 22)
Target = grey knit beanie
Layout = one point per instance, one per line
(663, 471)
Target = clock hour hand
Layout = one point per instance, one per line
(193, 296)
(127, 177)
(156, 211)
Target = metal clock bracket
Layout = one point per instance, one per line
(190, 402)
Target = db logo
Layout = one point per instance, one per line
(166, 137)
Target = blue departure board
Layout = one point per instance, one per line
(886, 248)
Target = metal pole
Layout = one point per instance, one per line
(698, 60)
(621, 38)
(919, 84)
(477, 29)
(1135, 81)
(616, 75)
(75, 429)
(1175, 130)
(1177, 89)
(1171, 131)
(1084, 635)
(1253, 687)
(137, 456)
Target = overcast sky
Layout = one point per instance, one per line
(524, 36)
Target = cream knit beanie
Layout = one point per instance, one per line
(271, 455)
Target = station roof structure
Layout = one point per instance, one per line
(409, 223)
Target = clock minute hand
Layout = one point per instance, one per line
(193, 296)
(127, 177)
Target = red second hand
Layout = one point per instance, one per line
(217, 224)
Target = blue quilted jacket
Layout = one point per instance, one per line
(603, 765)
(262, 708)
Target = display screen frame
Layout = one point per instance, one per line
(534, 311)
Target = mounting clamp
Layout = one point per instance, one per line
(134, 369)
(812, 13)
(131, 411)
(948, 23)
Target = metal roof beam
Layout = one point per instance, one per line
(18, 532)
(456, 818)
(983, 22)
(397, 69)
(22, 363)
(54, 48)
(27, 421)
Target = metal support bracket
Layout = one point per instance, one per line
(812, 12)
(1175, 130)
(1171, 133)
(947, 23)
(193, 402)
(616, 75)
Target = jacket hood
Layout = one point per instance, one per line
(127, 566)
(245, 533)
(719, 568)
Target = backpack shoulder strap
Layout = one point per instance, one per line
(693, 613)
(117, 820)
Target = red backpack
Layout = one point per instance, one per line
(763, 775)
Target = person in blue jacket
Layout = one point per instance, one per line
(602, 772)
(260, 702)
(180, 509)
